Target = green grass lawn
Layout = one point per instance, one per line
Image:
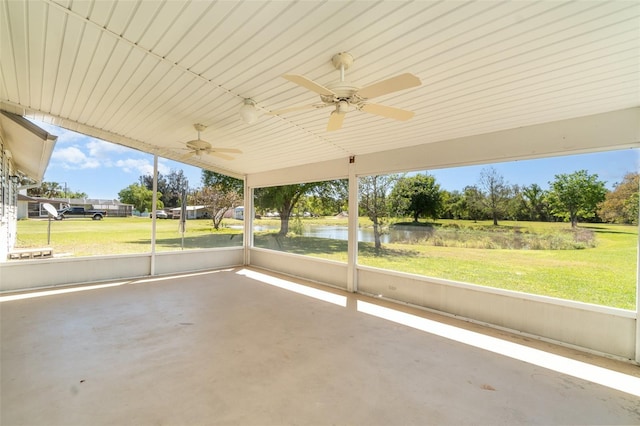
(604, 274)
(120, 235)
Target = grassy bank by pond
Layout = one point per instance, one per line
(594, 264)
(600, 270)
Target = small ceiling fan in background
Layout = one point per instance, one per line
(346, 97)
(199, 147)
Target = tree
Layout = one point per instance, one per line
(515, 205)
(228, 183)
(141, 197)
(147, 182)
(176, 183)
(576, 195)
(55, 190)
(474, 202)
(417, 196)
(170, 186)
(332, 197)
(217, 200)
(621, 204)
(326, 200)
(495, 191)
(282, 199)
(374, 191)
(534, 198)
(454, 205)
(76, 195)
(47, 190)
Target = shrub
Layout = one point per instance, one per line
(483, 237)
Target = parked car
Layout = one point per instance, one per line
(77, 211)
(160, 214)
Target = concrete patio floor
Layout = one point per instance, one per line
(249, 347)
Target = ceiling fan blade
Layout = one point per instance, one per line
(390, 85)
(199, 143)
(228, 150)
(303, 81)
(220, 155)
(335, 121)
(187, 156)
(292, 109)
(388, 112)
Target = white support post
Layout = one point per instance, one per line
(638, 293)
(352, 243)
(248, 222)
(154, 203)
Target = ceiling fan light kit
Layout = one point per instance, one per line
(342, 107)
(346, 97)
(248, 112)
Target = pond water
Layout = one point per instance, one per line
(393, 235)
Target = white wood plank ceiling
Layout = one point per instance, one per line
(141, 73)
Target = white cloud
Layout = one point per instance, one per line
(101, 149)
(132, 165)
(76, 151)
(140, 166)
(163, 168)
(97, 147)
(71, 155)
(73, 158)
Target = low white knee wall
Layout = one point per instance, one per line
(29, 274)
(313, 269)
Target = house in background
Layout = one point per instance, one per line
(193, 212)
(114, 208)
(238, 213)
(25, 151)
(33, 206)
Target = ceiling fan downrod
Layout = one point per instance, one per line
(199, 128)
(342, 61)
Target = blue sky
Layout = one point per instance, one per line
(610, 166)
(101, 169)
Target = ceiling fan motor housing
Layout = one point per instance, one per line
(199, 145)
(344, 92)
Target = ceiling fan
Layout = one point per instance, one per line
(199, 147)
(345, 97)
